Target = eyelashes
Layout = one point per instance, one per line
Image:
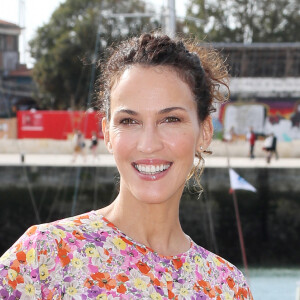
(130, 121)
(172, 119)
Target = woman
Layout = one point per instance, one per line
(157, 95)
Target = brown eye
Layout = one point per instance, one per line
(128, 121)
(172, 119)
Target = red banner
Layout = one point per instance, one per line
(58, 125)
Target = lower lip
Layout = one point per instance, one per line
(153, 177)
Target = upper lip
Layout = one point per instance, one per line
(151, 162)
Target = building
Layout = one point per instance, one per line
(16, 84)
(9, 47)
(265, 88)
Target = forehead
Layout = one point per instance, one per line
(154, 87)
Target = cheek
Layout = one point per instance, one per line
(183, 144)
(122, 142)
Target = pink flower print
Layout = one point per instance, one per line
(131, 253)
(131, 257)
(159, 271)
(223, 273)
(72, 242)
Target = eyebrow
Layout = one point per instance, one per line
(161, 112)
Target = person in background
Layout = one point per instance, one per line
(252, 138)
(79, 145)
(229, 136)
(94, 145)
(273, 149)
(270, 146)
(157, 94)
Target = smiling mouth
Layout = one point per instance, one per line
(151, 169)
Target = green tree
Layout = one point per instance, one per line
(244, 20)
(64, 49)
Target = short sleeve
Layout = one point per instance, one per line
(25, 268)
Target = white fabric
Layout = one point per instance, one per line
(239, 183)
(268, 142)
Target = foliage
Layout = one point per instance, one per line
(64, 48)
(244, 20)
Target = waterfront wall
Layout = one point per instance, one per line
(238, 148)
(270, 217)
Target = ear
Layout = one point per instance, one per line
(206, 134)
(105, 130)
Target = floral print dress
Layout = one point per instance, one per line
(87, 257)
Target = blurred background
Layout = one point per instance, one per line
(50, 53)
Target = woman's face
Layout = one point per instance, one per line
(154, 133)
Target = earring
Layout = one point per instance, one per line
(109, 147)
(201, 148)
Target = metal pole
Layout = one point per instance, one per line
(238, 221)
(239, 226)
(171, 19)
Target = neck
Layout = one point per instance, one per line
(156, 226)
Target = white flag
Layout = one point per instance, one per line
(239, 183)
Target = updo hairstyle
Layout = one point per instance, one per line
(201, 67)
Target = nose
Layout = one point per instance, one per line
(149, 140)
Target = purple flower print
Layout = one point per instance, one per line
(16, 295)
(4, 294)
(159, 290)
(96, 238)
(200, 296)
(94, 291)
(204, 253)
(3, 270)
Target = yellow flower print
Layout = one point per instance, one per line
(184, 292)
(216, 261)
(5, 256)
(228, 296)
(12, 274)
(187, 267)
(119, 243)
(59, 232)
(96, 224)
(198, 260)
(77, 263)
(91, 252)
(71, 291)
(101, 297)
(68, 223)
(155, 296)
(140, 284)
(30, 256)
(29, 289)
(44, 272)
(168, 277)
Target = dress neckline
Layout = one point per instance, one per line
(140, 245)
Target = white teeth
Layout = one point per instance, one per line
(151, 169)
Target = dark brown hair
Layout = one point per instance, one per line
(201, 67)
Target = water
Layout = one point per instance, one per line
(274, 284)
